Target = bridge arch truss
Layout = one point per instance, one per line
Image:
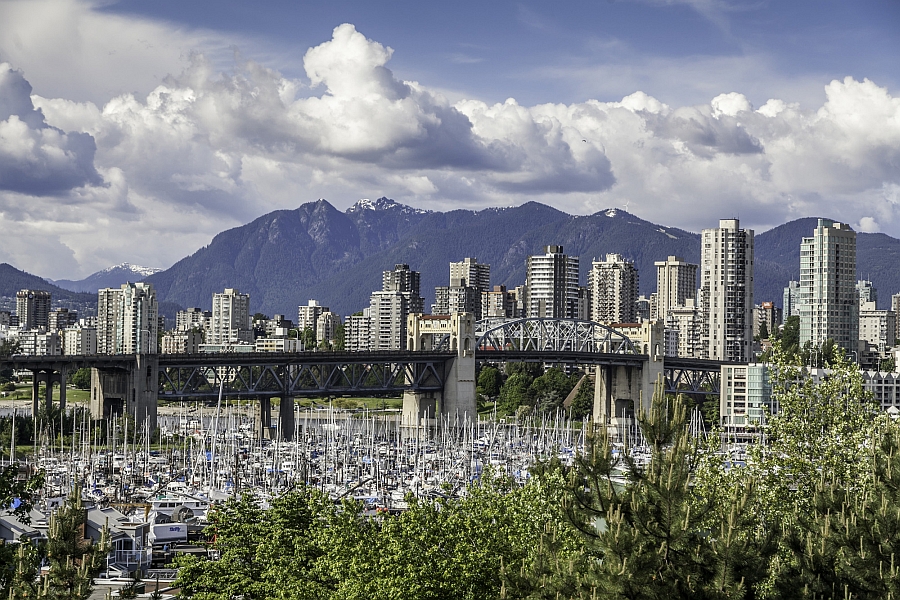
(550, 335)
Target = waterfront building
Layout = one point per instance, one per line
(37, 342)
(643, 307)
(726, 291)
(745, 396)
(230, 319)
(829, 300)
(551, 285)
(278, 344)
(456, 299)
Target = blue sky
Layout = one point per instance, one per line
(135, 131)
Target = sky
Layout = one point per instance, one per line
(134, 131)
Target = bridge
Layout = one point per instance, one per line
(436, 375)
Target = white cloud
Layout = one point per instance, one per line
(37, 159)
(204, 150)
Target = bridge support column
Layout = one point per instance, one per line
(131, 390)
(263, 418)
(62, 389)
(623, 392)
(35, 395)
(286, 418)
(457, 398)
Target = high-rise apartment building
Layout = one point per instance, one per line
(389, 308)
(230, 320)
(829, 300)
(726, 291)
(33, 309)
(613, 285)
(470, 273)
(498, 302)
(127, 319)
(790, 301)
(676, 282)
(877, 327)
(326, 326)
(551, 285)
(867, 291)
(768, 315)
(79, 341)
(357, 332)
(61, 318)
(192, 318)
(456, 299)
(308, 316)
(687, 323)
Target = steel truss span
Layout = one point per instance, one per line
(297, 375)
(550, 335)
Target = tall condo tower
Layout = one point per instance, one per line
(676, 283)
(551, 284)
(33, 309)
(613, 285)
(829, 300)
(469, 272)
(230, 321)
(727, 291)
(388, 308)
(127, 319)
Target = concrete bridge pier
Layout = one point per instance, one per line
(131, 390)
(263, 418)
(286, 418)
(622, 392)
(48, 377)
(456, 332)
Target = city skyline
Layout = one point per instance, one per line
(136, 133)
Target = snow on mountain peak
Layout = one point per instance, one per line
(384, 204)
(136, 269)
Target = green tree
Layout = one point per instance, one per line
(339, 338)
(489, 381)
(846, 545)
(649, 529)
(887, 365)
(583, 402)
(790, 335)
(81, 379)
(73, 559)
(550, 389)
(445, 548)
(308, 338)
(514, 392)
(763, 331)
(262, 553)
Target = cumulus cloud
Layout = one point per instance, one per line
(204, 150)
(35, 158)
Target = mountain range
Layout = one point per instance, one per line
(111, 277)
(287, 257)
